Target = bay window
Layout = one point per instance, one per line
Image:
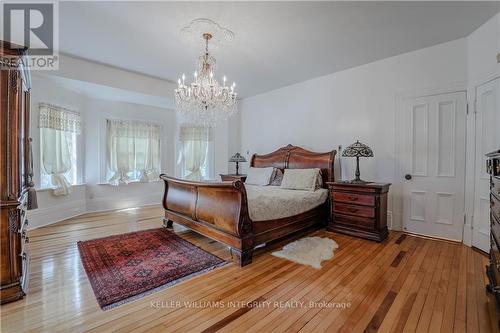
(194, 153)
(59, 128)
(133, 151)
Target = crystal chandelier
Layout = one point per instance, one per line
(205, 101)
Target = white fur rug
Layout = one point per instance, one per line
(308, 251)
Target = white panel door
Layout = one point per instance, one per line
(434, 165)
(487, 140)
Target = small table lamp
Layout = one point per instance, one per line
(357, 150)
(237, 158)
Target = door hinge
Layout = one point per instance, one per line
(467, 109)
(465, 219)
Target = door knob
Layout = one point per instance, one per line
(407, 176)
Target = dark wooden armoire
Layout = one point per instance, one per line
(493, 269)
(15, 171)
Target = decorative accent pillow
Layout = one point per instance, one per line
(259, 176)
(278, 177)
(300, 179)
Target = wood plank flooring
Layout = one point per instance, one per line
(405, 284)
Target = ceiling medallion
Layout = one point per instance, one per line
(205, 101)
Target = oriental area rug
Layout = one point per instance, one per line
(123, 268)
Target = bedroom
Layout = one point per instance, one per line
(134, 200)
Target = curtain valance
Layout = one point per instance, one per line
(133, 129)
(195, 134)
(59, 118)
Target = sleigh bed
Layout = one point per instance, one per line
(220, 210)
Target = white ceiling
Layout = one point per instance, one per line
(276, 43)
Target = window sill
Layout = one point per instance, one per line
(131, 182)
(45, 189)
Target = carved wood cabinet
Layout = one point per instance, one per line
(493, 269)
(14, 166)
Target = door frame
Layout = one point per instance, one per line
(397, 198)
(473, 88)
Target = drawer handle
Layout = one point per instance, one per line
(352, 210)
(27, 240)
(353, 198)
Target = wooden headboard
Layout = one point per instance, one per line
(293, 157)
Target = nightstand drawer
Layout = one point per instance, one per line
(355, 210)
(352, 198)
(357, 221)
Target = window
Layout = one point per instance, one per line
(194, 154)
(59, 129)
(133, 151)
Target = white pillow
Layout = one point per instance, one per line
(300, 179)
(259, 176)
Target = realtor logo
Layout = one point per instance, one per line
(33, 25)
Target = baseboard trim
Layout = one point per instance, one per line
(35, 225)
(478, 250)
(49, 215)
(111, 204)
(118, 209)
(442, 239)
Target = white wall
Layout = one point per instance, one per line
(357, 103)
(234, 134)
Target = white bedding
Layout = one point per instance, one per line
(273, 202)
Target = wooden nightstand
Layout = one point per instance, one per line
(233, 177)
(359, 209)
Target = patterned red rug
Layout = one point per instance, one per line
(123, 268)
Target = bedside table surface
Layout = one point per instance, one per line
(228, 177)
(368, 184)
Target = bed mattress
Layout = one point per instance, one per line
(273, 202)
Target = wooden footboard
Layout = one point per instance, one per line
(216, 210)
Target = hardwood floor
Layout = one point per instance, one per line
(405, 284)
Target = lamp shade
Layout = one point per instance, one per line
(237, 158)
(357, 149)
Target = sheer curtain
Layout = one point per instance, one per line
(195, 141)
(133, 151)
(57, 126)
